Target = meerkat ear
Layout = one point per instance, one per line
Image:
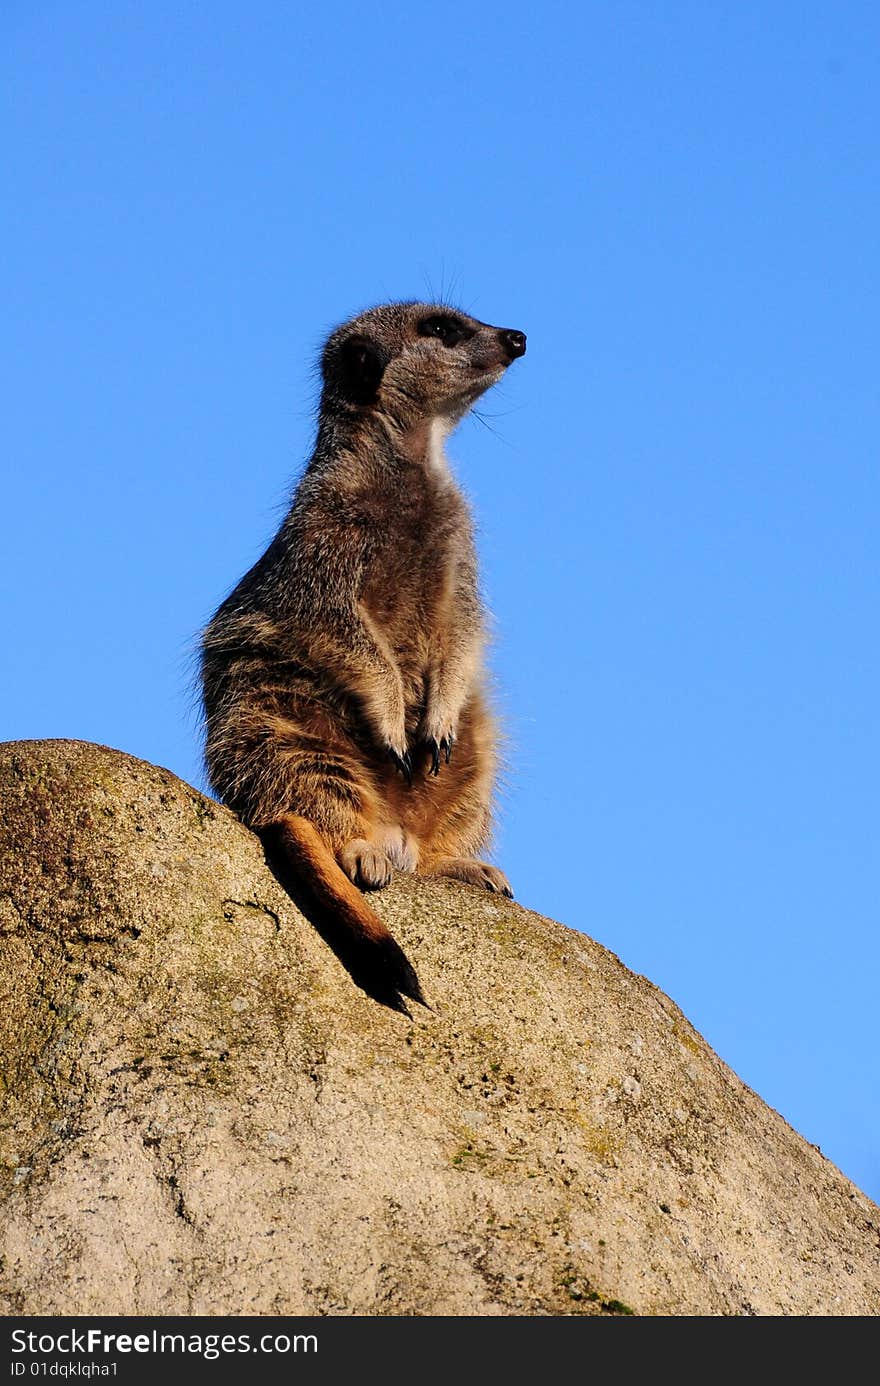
(360, 366)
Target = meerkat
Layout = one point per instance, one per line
(342, 679)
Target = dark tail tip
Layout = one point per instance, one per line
(399, 970)
(378, 966)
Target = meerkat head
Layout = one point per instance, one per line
(412, 362)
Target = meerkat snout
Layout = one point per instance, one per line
(513, 342)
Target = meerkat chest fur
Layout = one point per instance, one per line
(436, 462)
(420, 583)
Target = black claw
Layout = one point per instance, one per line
(437, 748)
(402, 762)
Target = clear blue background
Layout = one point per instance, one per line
(679, 203)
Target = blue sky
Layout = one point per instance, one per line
(677, 497)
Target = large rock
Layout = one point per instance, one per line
(204, 1115)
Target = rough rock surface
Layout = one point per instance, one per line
(202, 1114)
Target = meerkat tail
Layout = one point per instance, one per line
(351, 928)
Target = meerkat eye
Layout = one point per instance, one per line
(450, 330)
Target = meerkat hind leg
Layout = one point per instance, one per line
(473, 872)
(365, 863)
(369, 861)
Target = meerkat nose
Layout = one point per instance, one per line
(513, 342)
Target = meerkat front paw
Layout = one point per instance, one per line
(389, 729)
(438, 747)
(437, 739)
(402, 761)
